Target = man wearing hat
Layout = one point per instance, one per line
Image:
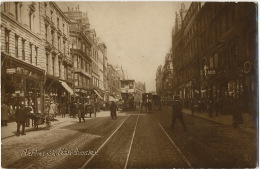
(177, 112)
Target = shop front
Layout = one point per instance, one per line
(22, 83)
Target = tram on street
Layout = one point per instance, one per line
(128, 94)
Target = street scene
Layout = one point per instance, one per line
(129, 85)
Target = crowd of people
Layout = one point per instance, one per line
(24, 112)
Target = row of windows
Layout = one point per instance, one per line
(95, 81)
(54, 37)
(33, 49)
(81, 63)
(81, 80)
(17, 10)
(58, 20)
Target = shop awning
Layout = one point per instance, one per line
(66, 86)
(98, 94)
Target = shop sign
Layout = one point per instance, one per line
(11, 71)
(211, 71)
(27, 73)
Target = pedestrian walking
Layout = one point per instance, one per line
(177, 112)
(69, 108)
(63, 109)
(113, 109)
(21, 117)
(81, 112)
(236, 110)
(5, 111)
(74, 109)
(53, 109)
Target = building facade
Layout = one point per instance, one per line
(158, 79)
(113, 81)
(54, 34)
(214, 54)
(22, 55)
(80, 50)
(167, 76)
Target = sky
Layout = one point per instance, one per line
(137, 34)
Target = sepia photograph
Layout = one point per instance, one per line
(129, 84)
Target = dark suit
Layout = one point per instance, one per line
(81, 112)
(177, 113)
(113, 109)
(21, 119)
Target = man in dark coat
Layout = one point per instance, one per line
(81, 112)
(113, 109)
(5, 111)
(21, 118)
(177, 112)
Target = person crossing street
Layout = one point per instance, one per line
(177, 112)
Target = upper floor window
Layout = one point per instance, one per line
(47, 62)
(59, 68)
(16, 10)
(46, 32)
(51, 15)
(23, 49)
(58, 22)
(36, 55)
(7, 40)
(58, 42)
(16, 45)
(52, 37)
(31, 53)
(53, 65)
(45, 7)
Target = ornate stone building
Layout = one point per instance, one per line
(54, 33)
(214, 54)
(22, 55)
(80, 50)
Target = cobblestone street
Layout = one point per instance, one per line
(133, 140)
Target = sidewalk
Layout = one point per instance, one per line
(10, 130)
(249, 123)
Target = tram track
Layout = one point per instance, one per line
(104, 143)
(68, 141)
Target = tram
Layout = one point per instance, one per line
(128, 94)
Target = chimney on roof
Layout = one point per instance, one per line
(78, 7)
(68, 8)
